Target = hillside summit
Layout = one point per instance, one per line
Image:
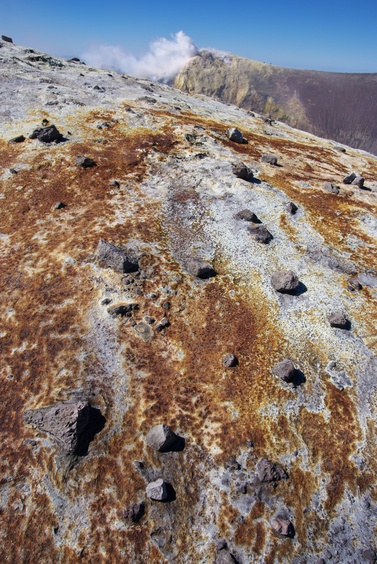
(339, 106)
(188, 305)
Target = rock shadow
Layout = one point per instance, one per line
(171, 494)
(94, 424)
(178, 446)
(298, 378)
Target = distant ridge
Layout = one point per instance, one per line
(339, 106)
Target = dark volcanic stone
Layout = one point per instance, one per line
(162, 324)
(235, 135)
(59, 205)
(285, 282)
(230, 360)
(291, 208)
(117, 258)
(270, 471)
(260, 233)
(242, 171)
(7, 39)
(135, 512)
(338, 319)
(121, 310)
(161, 438)
(84, 162)
(349, 178)
(114, 183)
(199, 268)
(73, 424)
(270, 159)
(47, 134)
(18, 139)
(247, 215)
(285, 370)
(283, 527)
(157, 490)
(332, 188)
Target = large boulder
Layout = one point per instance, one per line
(117, 258)
(47, 134)
(72, 424)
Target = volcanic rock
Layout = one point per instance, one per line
(270, 471)
(199, 268)
(18, 139)
(6, 38)
(230, 360)
(235, 135)
(260, 233)
(285, 282)
(225, 557)
(270, 159)
(291, 208)
(135, 512)
(332, 188)
(247, 215)
(349, 178)
(117, 258)
(157, 491)
(161, 438)
(338, 319)
(120, 310)
(242, 171)
(47, 134)
(84, 162)
(285, 370)
(283, 527)
(358, 181)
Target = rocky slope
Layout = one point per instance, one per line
(128, 279)
(340, 106)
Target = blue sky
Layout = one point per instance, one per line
(330, 35)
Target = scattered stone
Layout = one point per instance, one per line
(122, 310)
(242, 171)
(291, 208)
(74, 60)
(247, 215)
(260, 233)
(114, 183)
(270, 471)
(59, 205)
(84, 162)
(161, 438)
(13, 171)
(199, 268)
(270, 159)
(349, 178)
(47, 134)
(285, 282)
(230, 360)
(18, 139)
(162, 324)
(331, 188)
(235, 135)
(73, 424)
(143, 330)
(285, 370)
(117, 258)
(283, 527)
(157, 491)
(166, 306)
(135, 512)
(339, 320)
(340, 149)
(149, 320)
(354, 285)
(6, 39)
(358, 181)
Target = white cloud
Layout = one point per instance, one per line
(163, 60)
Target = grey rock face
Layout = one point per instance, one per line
(47, 134)
(332, 188)
(270, 471)
(338, 319)
(285, 282)
(6, 38)
(84, 162)
(285, 370)
(283, 527)
(260, 233)
(157, 490)
(270, 159)
(72, 424)
(161, 438)
(117, 258)
(235, 135)
(225, 557)
(242, 171)
(247, 215)
(199, 268)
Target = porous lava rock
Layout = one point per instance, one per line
(115, 257)
(285, 282)
(72, 424)
(161, 438)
